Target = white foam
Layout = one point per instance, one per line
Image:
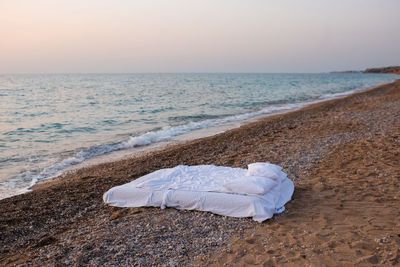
(168, 132)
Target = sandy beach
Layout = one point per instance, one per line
(343, 156)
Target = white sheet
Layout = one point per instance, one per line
(208, 188)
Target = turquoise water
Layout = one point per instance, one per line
(52, 121)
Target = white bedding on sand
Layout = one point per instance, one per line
(258, 192)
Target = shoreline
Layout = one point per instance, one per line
(136, 152)
(341, 154)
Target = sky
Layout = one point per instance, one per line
(71, 36)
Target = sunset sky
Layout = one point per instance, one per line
(197, 36)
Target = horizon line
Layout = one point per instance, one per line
(183, 72)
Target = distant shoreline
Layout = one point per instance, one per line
(381, 70)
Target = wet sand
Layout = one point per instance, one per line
(342, 154)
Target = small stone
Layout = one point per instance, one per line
(370, 258)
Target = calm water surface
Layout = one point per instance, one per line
(50, 122)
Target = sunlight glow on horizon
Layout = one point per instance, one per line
(197, 36)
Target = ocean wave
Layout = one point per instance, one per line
(26, 180)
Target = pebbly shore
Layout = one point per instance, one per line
(342, 154)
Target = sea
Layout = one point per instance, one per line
(50, 123)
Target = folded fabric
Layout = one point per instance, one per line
(221, 190)
(250, 185)
(264, 169)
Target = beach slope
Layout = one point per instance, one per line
(342, 154)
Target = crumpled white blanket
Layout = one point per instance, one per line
(258, 192)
